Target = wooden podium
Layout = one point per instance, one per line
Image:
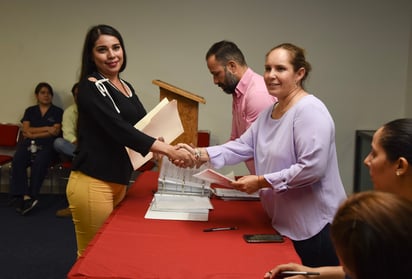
(188, 107)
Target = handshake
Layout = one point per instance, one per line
(188, 156)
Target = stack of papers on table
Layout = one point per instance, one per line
(179, 207)
(180, 196)
(181, 181)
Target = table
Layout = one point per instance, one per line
(130, 246)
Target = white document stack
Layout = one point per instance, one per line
(180, 196)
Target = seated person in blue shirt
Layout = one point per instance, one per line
(41, 125)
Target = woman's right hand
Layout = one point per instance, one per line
(325, 272)
(157, 155)
(182, 158)
(200, 154)
(178, 156)
(276, 271)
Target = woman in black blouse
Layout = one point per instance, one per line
(108, 110)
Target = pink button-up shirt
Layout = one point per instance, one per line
(250, 98)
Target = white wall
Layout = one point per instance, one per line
(408, 92)
(359, 51)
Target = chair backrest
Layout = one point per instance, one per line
(9, 134)
(203, 138)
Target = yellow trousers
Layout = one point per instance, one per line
(91, 201)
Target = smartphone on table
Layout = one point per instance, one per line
(263, 238)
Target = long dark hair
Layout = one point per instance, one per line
(88, 65)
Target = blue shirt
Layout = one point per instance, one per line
(53, 116)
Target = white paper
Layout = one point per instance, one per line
(187, 215)
(171, 174)
(162, 121)
(233, 194)
(215, 177)
(180, 195)
(146, 120)
(181, 202)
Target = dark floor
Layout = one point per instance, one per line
(38, 245)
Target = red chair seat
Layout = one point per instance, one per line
(4, 159)
(147, 166)
(66, 164)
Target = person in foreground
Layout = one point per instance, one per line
(372, 235)
(390, 171)
(250, 96)
(293, 145)
(108, 109)
(41, 125)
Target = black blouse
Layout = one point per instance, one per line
(105, 127)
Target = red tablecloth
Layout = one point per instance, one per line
(130, 246)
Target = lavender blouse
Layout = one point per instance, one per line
(297, 155)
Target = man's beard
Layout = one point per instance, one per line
(230, 83)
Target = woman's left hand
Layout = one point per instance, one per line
(248, 184)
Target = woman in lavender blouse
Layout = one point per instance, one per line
(293, 143)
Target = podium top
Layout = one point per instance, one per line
(179, 91)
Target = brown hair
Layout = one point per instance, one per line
(297, 58)
(372, 234)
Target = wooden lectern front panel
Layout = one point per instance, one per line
(188, 107)
(188, 112)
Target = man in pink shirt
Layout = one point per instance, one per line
(230, 72)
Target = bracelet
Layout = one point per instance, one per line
(198, 153)
(259, 181)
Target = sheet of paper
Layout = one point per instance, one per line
(181, 216)
(187, 215)
(214, 177)
(233, 194)
(148, 117)
(162, 121)
(181, 202)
